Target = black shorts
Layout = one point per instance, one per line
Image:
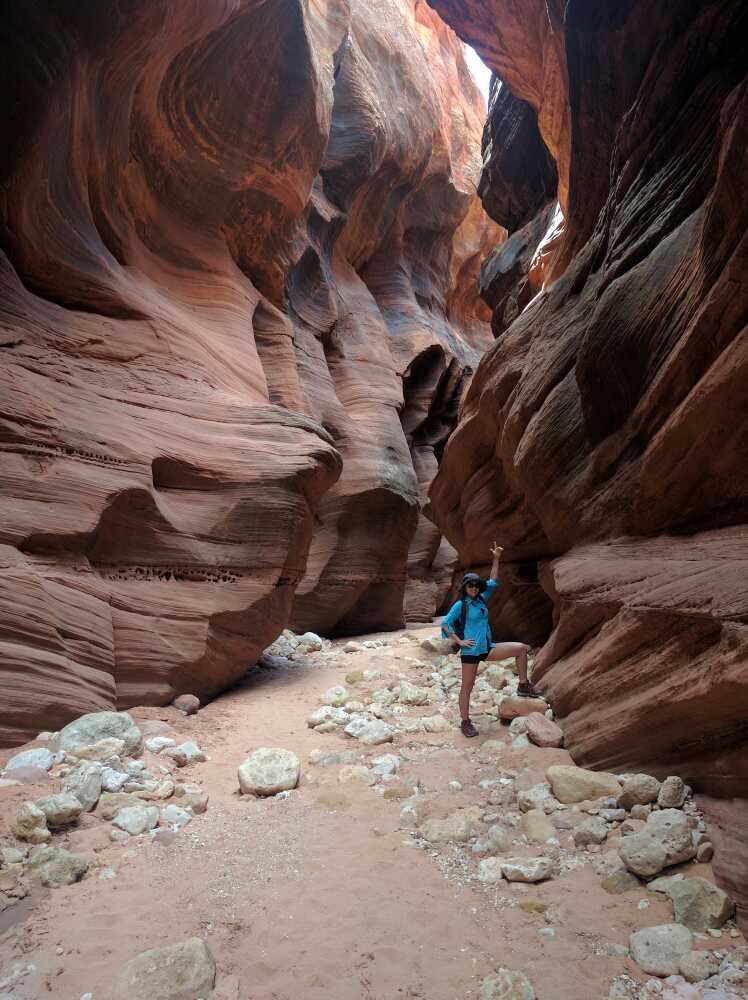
(474, 659)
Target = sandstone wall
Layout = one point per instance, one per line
(230, 234)
(604, 436)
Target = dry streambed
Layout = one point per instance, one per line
(415, 863)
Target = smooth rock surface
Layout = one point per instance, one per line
(699, 904)
(576, 784)
(658, 950)
(183, 971)
(96, 726)
(269, 770)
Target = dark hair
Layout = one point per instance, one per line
(470, 578)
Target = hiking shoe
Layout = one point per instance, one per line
(467, 728)
(528, 690)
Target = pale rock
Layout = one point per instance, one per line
(195, 802)
(187, 753)
(515, 705)
(311, 642)
(187, 703)
(411, 726)
(695, 966)
(489, 870)
(658, 950)
(520, 742)
(60, 810)
(136, 819)
(704, 852)
(665, 840)
(663, 883)
(352, 647)
(12, 856)
(527, 869)
(497, 677)
(355, 707)
(410, 694)
(590, 831)
(435, 724)
(537, 797)
(372, 733)
(158, 743)
(640, 812)
(328, 713)
(699, 904)
(496, 840)
(118, 836)
(506, 984)
(103, 751)
(458, 827)
(157, 791)
(57, 867)
(135, 767)
(372, 675)
(39, 757)
(335, 696)
(113, 781)
(409, 813)
(383, 697)
(575, 784)
(184, 971)
(174, 816)
(357, 773)
(326, 727)
(613, 815)
(327, 758)
(672, 793)
(388, 763)
(85, 784)
(537, 826)
(269, 770)
(110, 803)
(436, 644)
(638, 790)
(543, 732)
(90, 729)
(518, 725)
(354, 676)
(30, 824)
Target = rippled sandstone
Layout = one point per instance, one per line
(239, 248)
(604, 437)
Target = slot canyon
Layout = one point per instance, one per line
(293, 328)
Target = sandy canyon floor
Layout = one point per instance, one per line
(325, 894)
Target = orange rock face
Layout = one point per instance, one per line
(239, 245)
(604, 436)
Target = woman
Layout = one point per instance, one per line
(475, 643)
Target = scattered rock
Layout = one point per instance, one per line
(665, 840)
(187, 753)
(435, 724)
(31, 824)
(158, 743)
(575, 784)
(371, 733)
(543, 732)
(39, 757)
(537, 797)
(187, 703)
(640, 812)
(537, 826)
(638, 790)
(25, 776)
(328, 758)
(184, 971)
(515, 705)
(352, 647)
(310, 642)
(489, 870)
(358, 773)
(387, 764)
(527, 869)
(269, 770)
(590, 831)
(113, 781)
(507, 984)
(695, 966)
(410, 694)
(620, 882)
(60, 810)
(658, 950)
(85, 784)
(519, 742)
(328, 713)
(705, 852)
(458, 827)
(136, 819)
(57, 867)
(195, 802)
(672, 793)
(110, 803)
(96, 726)
(174, 816)
(354, 676)
(699, 904)
(335, 696)
(437, 645)
(102, 751)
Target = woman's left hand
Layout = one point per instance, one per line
(496, 550)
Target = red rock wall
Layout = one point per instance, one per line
(227, 232)
(605, 435)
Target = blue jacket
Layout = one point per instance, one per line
(476, 622)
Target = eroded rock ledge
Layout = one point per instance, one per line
(239, 249)
(604, 436)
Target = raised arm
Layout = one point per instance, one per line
(496, 551)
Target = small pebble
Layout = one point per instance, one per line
(547, 932)
(643, 904)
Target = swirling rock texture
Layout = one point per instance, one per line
(604, 437)
(239, 241)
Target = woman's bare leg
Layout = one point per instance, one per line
(469, 670)
(503, 650)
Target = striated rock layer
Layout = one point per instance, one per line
(604, 437)
(239, 248)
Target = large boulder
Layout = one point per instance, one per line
(85, 784)
(638, 790)
(657, 950)
(527, 869)
(664, 840)
(30, 824)
(96, 726)
(136, 819)
(699, 904)
(543, 732)
(269, 770)
(184, 971)
(57, 867)
(61, 809)
(39, 757)
(576, 784)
